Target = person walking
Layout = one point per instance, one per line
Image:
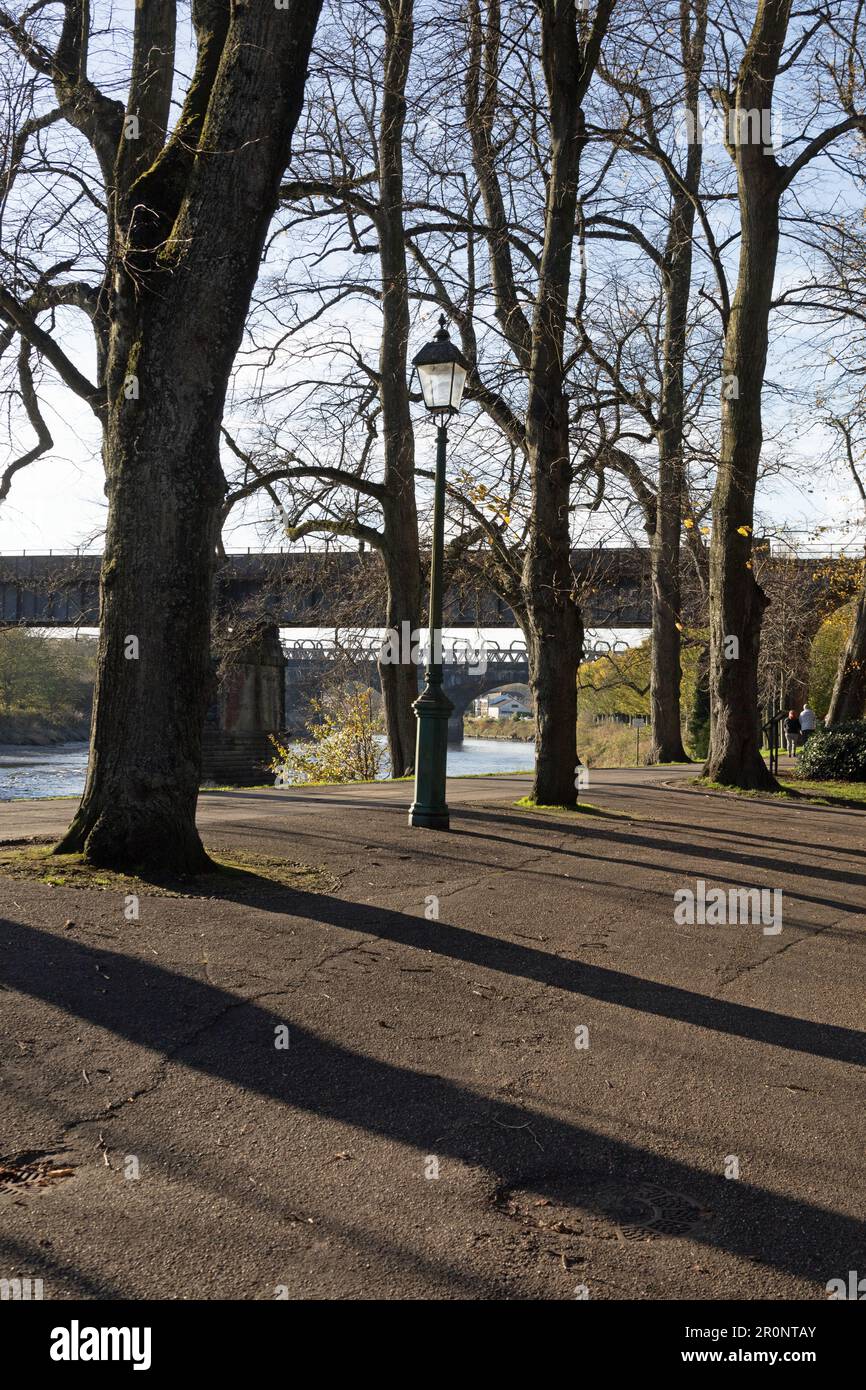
(808, 721)
(792, 732)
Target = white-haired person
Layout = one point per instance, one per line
(808, 722)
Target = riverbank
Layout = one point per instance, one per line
(605, 744)
(42, 730)
(514, 730)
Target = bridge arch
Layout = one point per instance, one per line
(465, 683)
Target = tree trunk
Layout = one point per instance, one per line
(736, 610)
(737, 602)
(699, 714)
(666, 744)
(550, 616)
(554, 631)
(665, 655)
(554, 625)
(554, 641)
(187, 240)
(400, 516)
(400, 681)
(399, 692)
(153, 671)
(849, 690)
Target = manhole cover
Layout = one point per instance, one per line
(648, 1210)
(28, 1171)
(594, 1205)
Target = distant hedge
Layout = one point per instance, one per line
(837, 754)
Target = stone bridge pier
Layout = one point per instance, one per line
(250, 705)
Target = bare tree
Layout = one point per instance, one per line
(655, 110)
(187, 207)
(507, 229)
(737, 601)
(363, 74)
(520, 517)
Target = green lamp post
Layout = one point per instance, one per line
(441, 369)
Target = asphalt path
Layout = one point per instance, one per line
(509, 1073)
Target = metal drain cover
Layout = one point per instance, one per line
(648, 1210)
(29, 1171)
(595, 1205)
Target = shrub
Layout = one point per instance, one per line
(837, 754)
(343, 743)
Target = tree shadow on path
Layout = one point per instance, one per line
(222, 1035)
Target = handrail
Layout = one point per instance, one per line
(772, 729)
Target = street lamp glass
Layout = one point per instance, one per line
(442, 384)
(442, 371)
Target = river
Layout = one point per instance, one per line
(59, 770)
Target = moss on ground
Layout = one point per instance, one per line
(586, 808)
(850, 795)
(235, 873)
(828, 791)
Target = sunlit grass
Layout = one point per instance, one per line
(586, 808)
(829, 791)
(232, 871)
(796, 789)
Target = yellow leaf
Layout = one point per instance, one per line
(688, 523)
(744, 530)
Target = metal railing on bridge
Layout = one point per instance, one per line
(455, 651)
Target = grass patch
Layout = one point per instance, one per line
(234, 787)
(236, 873)
(586, 808)
(61, 796)
(471, 776)
(707, 784)
(848, 794)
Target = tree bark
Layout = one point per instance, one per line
(188, 238)
(554, 653)
(400, 516)
(554, 624)
(665, 649)
(399, 681)
(547, 609)
(848, 700)
(164, 489)
(699, 714)
(666, 743)
(737, 601)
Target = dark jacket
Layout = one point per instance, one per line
(792, 726)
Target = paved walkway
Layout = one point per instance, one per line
(432, 1130)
